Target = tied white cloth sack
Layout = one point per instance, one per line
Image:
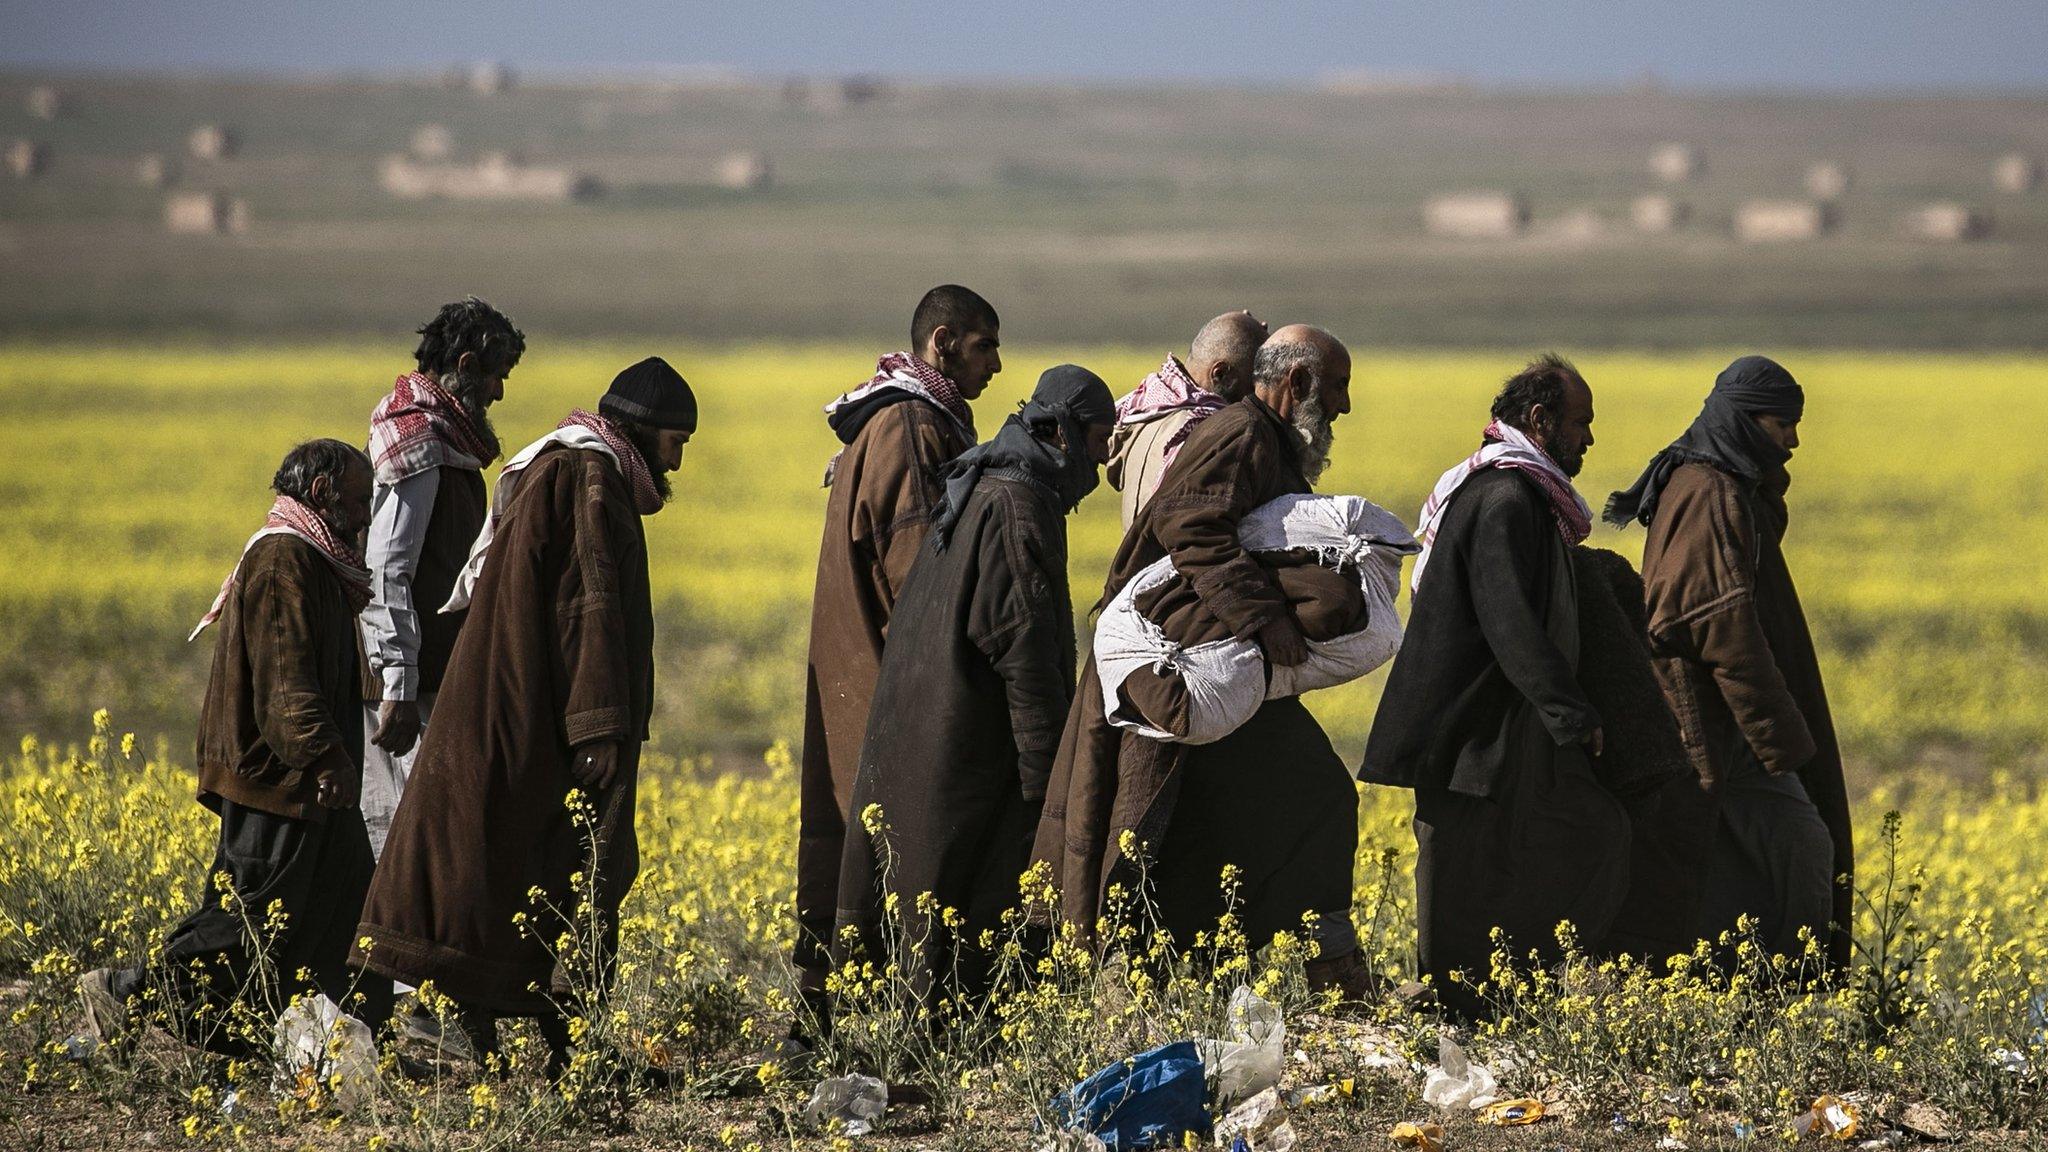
(1226, 679)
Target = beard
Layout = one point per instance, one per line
(1316, 436)
(644, 442)
(467, 388)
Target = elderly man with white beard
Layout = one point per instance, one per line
(1271, 799)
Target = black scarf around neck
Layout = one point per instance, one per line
(1725, 436)
(1069, 398)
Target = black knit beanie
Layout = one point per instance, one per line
(654, 394)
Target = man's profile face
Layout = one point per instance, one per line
(969, 359)
(1568, 432)
(1781, 430)
(1098, 442)
(1334, 386)
(482, 384)
(345, 507)
(668, 448)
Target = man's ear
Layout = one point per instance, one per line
(465, 363)
(321, 491)
(941, 340)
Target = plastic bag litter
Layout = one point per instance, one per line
(1456, 1082)
(856, 1101)
(321, 1048)
(1320, 1093)
(1831, 1117)
(1427, 1137)
(1148, 1101)
(1251, 1060)
(80, 1046)
(1512, 1113)
(1260, 1123)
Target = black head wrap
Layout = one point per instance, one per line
(1069, 398)
(1722, 435)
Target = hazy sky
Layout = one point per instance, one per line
(1778, 43)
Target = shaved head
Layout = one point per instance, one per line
(1220, 358)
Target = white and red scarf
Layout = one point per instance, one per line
(289, 517)
(902, 370)
(420, 425)
(1163, 393)
(584, 430)
(1505, 447)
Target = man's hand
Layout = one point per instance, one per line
(336, 782)
(1283, 643)
(398, 726)
(1595, 742)
(594, 765)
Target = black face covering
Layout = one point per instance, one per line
(1069, 398)
(1723, 435)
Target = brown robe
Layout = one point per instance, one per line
(1106, 781)
(1734, 655)
(884, 487)
(286, 685)
(558, 652)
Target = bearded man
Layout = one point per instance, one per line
(975, 684)
(1484, 715)
(279, 758)
(430, 440)
(1272, 798)
(899, 430)
(1156, 418)
(549, 690)
(1736, 661)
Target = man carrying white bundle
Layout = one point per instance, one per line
(1182, 676)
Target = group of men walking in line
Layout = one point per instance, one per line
(423, 749)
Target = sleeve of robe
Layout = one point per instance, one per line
(289, 701)
(1197, 525)
(1507, 540)
(1712, 619)
(1015, 622)
(892, 507)
(589, 609)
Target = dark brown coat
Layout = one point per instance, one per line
(1733, 652)
(286, 687)
(884, 487)
(558, 653)
(1106, 781)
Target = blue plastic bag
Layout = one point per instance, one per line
(1148, 1101)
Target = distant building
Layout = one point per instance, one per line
(1676, 163)
(1476, 215)
(1946, 222)
(489, 77)
(44, 102)
(432, 142)
(155, 171)
(205, 213)
(2016, 172)
(498, 176)
(212, 142)
(1778, 221)
(745, 172)
(1658, 213)
(1827, 181)
(27, 159)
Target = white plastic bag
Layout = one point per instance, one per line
(854, 1100)
(316, 1042)
(1261, 1121)
(1456, 1082)
(1251, 1060)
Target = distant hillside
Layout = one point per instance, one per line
(1123, 215)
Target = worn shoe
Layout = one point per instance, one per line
(1348, 975)
(107, 1019)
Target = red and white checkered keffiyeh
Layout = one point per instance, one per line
(1505, 447)
(1163, 393)
(902, 370)
(581, 430)
(289, 517)
(421, 426)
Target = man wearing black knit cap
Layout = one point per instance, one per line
(1737, 664)
(549, 689)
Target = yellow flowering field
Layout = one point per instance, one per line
(130, 478)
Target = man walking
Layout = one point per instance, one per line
(1155, 419)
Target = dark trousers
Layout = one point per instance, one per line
(317, 871)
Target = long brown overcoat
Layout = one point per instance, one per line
(558, 652)
(883, 489)
(1105, 780)
(1733, 653)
